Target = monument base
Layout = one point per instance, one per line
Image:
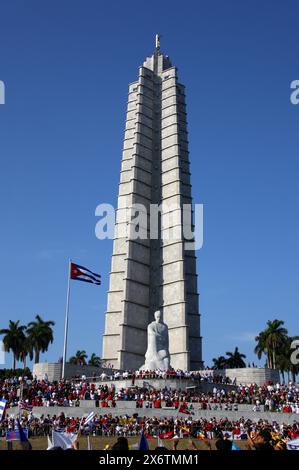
(170, 384)
(246, 375)
(53, 370)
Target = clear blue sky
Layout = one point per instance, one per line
(66, 66)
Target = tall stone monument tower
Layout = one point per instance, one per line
(153, 274)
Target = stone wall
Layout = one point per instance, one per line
(129, 408)
(54, 370)
(173, 384)
(248, 375)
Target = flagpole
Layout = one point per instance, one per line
(66, 320)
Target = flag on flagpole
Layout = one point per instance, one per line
(293, 445)
(184, 409)
(143, 444)
(88, 418)
(2, 408)
(65, 440)
(23, 438)
(79, 273)
(166, 435)
(50, 444)
(25, 406)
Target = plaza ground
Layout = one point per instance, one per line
(99, 443)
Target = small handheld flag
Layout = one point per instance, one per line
(23, 437)
(50, 444)
(88, 418)
(64, 440)
(166, 435)
(235, 447)
(25, 406)
(183, 409)
(79, 273)
(2, 408)
(143, 444)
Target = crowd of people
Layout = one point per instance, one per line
(36, 393)
(165, 428)
(206, 376)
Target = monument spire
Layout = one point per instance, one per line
(150, 274)
(158, 42)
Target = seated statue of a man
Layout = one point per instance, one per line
(157, 354)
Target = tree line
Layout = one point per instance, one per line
(81, 357)
(27, 340)
(30, 340)
(274, 343)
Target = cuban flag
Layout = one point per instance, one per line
(293, 445)
(64, 440)
(79, 273)
(2, 408)
(88, 419)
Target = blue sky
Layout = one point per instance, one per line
(66, 66)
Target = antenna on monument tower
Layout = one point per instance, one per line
(158, 42)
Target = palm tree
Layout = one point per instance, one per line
(94, 360)
(27, 350)
(79, 358)
(13, 340)
(271, 341)
(219, 363)
(276, 338)
(261, 347)
(235, 359)
(294, 368)
(40, 335)
(284, 359)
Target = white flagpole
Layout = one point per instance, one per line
(66, 320)
(88, 443)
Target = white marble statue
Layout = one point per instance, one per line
(157, 354)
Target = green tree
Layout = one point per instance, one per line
(13, 339)
(27, 350)
(40, 335)
(284, 362)
(235, 359)
(261, 348)
(220, 363)
(271, 341)
(79, 358)
(94, 360)
(294, 368)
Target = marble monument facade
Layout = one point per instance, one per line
(153, 274)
